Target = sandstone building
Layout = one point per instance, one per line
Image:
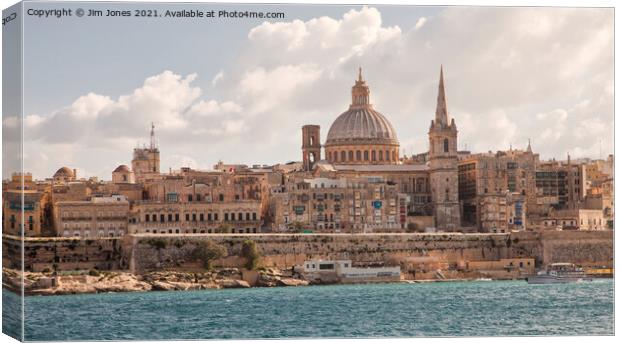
(97, 217)
(354, 182)
(354, 205)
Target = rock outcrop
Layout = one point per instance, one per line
(104, 282)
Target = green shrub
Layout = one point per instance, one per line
(157, 243)
(207, 251)
(250, 252)
(93, 272)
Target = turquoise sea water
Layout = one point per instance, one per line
(381, 310)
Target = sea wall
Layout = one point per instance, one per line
(586, 248)
(149, 252)
(61, 253)
(143, 253)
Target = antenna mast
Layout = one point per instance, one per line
(152, 136)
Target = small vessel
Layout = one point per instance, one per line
(559, 273)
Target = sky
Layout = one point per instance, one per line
(239, 90)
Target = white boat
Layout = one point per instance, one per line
(559, 273)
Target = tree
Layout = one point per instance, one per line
(224, 228)
(207, 251)
(249, 251)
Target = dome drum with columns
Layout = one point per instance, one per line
(362, 135)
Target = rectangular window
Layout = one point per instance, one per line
(254, 216)
(221, 197)
(189, 198)
(225, 217)
(161, 218)
(186, 217)
(176, 217)
(154, 217)
(193, 217)
(215, 216)
(209, 217)
(202, 217)
(232, 216)
(172, 197)
(169, 217)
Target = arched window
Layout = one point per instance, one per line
(343, 156)
(311, 140)
(387, 155)
(380, 155)
(329, 156)
(394, 155)
(358, 155)
(366, 155)
(374, 155)
(445, 145)
(350, 155)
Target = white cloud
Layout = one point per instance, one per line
(212, 107)
(420, 23)
(511, 74)
(217, 78)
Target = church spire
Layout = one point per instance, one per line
(441, 113)
(529, 145)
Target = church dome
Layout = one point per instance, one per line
(362, 135)
(121, 169)
(64, 172)
(361, 125)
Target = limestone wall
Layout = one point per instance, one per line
(61, 253)
(285, 251)
(147, 252)
(141, 253)
(581, 247)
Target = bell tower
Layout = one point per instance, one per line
(310, 145)
(146, 159)
(444, 165)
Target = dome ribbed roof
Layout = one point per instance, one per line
(64, 171)
(122, 168)
(363, 125)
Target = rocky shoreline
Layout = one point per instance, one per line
(104, 282)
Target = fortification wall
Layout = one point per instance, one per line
(595, 248)
(62, 253)
(141, 253)
(148, 252)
